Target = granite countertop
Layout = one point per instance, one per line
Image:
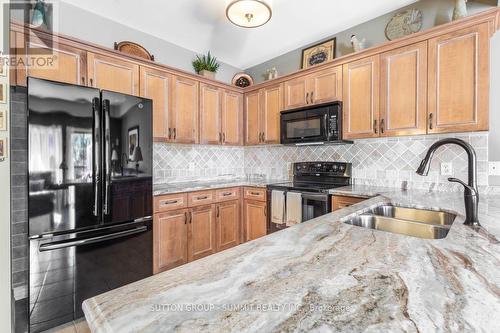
(324, 275)
(161, 189)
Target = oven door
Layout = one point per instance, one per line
(314, 205)
(305, 126)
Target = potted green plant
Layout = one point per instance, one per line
(206, 65)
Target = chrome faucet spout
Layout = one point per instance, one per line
(471, 193)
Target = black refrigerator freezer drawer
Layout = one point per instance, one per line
(64, 270)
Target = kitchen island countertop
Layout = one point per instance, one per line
(324, 275)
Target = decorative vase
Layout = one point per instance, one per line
(208, 74)
(460, 10)
(39, 14)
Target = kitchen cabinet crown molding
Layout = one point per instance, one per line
(20, 27)
(490, 16)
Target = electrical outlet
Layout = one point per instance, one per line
(446, 169)
(494, 169)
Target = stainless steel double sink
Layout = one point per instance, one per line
(414, 222)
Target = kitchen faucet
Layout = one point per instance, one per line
(471, 194)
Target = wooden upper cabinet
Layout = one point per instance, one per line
(361, 98)
(232, 118)
(403, 91)
(296, 93)
(170, 240)
(61, 63)
(252, 118)
(228, 224)
(184, 116)
(325, 86)
(210, 114)
(155, 85)
(111, 73)
(459, 80)
(202, 236)
(272, 105)
(255, 218)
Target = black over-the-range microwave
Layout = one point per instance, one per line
(313, 125)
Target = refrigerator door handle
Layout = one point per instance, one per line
(107, 166)
(97, 155)
(91, 240)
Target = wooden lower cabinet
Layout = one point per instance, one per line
(201, 232)
(342, 201)
(255, 217)
(228, 224)
(170, 240)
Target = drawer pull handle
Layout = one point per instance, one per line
(254, 193)
(226, 194)
(202, 198)
(169, 202)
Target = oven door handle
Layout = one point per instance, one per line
(315, 196)
(90, 240)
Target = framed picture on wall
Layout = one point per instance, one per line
(3, 120)
(3, 148)
(3, 93)
(319, 53)
(133, 140)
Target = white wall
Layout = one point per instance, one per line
(5, 300)
(87, 26)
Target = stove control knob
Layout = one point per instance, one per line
(334, 168)
(341, 168)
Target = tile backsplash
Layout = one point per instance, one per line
(382, 162)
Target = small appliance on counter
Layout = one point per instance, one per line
(311, 182)
(90, 229)
(313, 125)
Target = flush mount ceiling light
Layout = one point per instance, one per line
(249, 13)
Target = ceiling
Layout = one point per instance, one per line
(201, 25)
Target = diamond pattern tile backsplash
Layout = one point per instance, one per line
(380, 162)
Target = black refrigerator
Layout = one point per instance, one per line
(90, 196)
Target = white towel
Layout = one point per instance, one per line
(293, 208)
(278, 207)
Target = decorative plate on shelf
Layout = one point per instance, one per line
(242, 80)
(404, 24)
(134, 49)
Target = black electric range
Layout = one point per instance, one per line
(313, 180)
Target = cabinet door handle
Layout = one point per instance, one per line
(190, 218)
(185, 217)
(223, 137)
(382, 126)
(175, 133)
(169, 133)
(217, 211)
(312, 98)
(169, 202)
(430, 121)
(307, 98)
(83, 80)
(91, 82)
(375, 129)
(220, 137)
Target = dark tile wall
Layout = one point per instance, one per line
(19, 201)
